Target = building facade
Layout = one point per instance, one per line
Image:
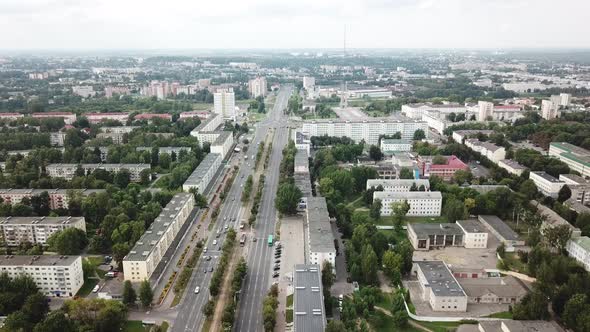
(399, 184)
(579, 249)
(257, 87)
(36, 230)
(319, 233)
(577, 158)
(422, 203)
(201, 177)
(395, 145)
(68, 171)
(224, 103)
(546, 184)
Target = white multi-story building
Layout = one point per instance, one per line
(224, 103)
(54, 275)
(400, 185)
(395, 145)
(368, 130)
(10, 116)
(257, 87)
(203, 174)
(166, 149)
(422, 203)
(109, 91)
(147, 253)
(57, 138)
(549, 110)
(579, 249)
(564, 99)
(439, 287)
(309, 83)
(83, 91)
(577, 158)
(99, 117)
(221, 141)
(58, 198)
(486, 110)
(68, 171)
(415, 111)
(475, 235)
(68, 117)
(547, 184)
(35, 230)
(489, 150)
(320, 238)
(513, 167)
(579, 186)
(117, 135)
(460, 135)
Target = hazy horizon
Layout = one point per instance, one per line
(305, 24)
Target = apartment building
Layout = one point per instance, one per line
(577, 158)
(118, 135)
(546, 184)
(151, 116)
(399, 184)
(511, 166)
(309, 83)
(35, 230)
(552, 219)
(57, 138)
(166, 149)
(221, 142)
(320, 239)
(201, 177)
(109, 91)
(422, 203)
(58, 198)
(68, 171)
(579, 186)
(460, 135)
(84, 91)
(475, 235)
(257, 87)
(195, 114)
(224, 103)
(10, 116)
(549, 110)
(395, 145)
(579, 249)
(68, 117)
(415, 111)
(59, 276)
(302, 141)
(439, 287)
(147, 253)
(308, 299)
(368, 130)
(301, 162)
(95, 118)
(489, 150)
(446, 171)
(211, 123)
(519, 326)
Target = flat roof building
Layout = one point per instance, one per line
(36, 230)
(579, 249)
(319, 233)
(301, 162)
(439, 287)
(308, 299)
(511, 166)
(68, 171)
(577, 158)
(475, 235)
(201, 177)
(426, 236)
(395, 145)
(55, 275)
(398, 184)
(422, 203)
(552, 219)
(147, 253)
(547, 184)
(501, 231)
(58, 198)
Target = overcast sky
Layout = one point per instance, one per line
(188, 24)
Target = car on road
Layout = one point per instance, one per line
(96, 288)
(197, 290)
(226, 227)
(210, 268)
(275, 274)
(277, 261)
(205, 249)
(214, 242)
(208, 258)
(205, 270)
(254, 240)
(217, 235)
(276, 268)
(224, 218)
(277, 265)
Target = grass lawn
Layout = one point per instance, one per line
(357, 203)
(256, 117)
(202, 106)
(440, 326)
(289, 300)
(87, 287)
(207, 325)
(164, 326)
(503, 314)
(514, 263)
(134, 326)
(380, 322)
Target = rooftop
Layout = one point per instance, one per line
(573, 149)
(301, 159)
(395, 141)
(512, 163)
(205, 122)
(158, 228)
(424, 230)
(471, 226)
(573, 178)
(40, 220)
(308, 299)
(519, 326)
(42, 260)
(320, 235)
(440, 279)
(199, 172)
(507, 286)
(303, 182)
(583, 241)
(407, 195)
(500, 227)
(397, 183)
(395, 117)
(546, 177)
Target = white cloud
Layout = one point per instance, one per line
(292, 24)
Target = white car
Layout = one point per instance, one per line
(197, 290)
(214, 242)
(96, 288)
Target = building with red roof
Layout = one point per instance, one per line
(68, 117)
(149, 116)
(445, 171)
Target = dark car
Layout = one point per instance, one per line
(211, 269)
(276, 268)
(277, 261)
(275, 274)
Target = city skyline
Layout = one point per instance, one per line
(263, 24)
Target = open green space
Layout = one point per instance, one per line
(256, 117)
(135, 326)
(503, 314)
(202, 106)
(87, 287)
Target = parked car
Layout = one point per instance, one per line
(197, 290)
(275, 274)
(96, 288)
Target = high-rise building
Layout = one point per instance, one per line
(486, 109)
(224, 103)
(257, 87)
(308, 83)
(564, 99)
(549, 109)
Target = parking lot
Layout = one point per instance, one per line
(292, 240)
(478, 171)
(461, 257)
(350, 113)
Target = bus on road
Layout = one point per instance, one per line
(270, 240)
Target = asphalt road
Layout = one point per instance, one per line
(190, 316)
(260, 255)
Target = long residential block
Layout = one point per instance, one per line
(58, 198)
(204, 173)
(398, 184)
(147, 253)
(54, 275)
(36, 230)
(422, 203)
(308, 299)
(319, 233)
(68, 171)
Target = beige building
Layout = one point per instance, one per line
(439, 287)
(147, 253)
(54, 275)
(36, 230)
(257, 87)
(58, 198)
(68, 171)
(475, 235)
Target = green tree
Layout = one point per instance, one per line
(439, 160)
(40, 204)
(335, 326)
(375, 211)
(164, 161)
(288, 196)
(462, 176)
(56, 321)
(120, 250)
(146, 295)
(406, 173)
(400, 319)
(375, 153)
(564, 194)
(328, 276)
(534, 306)
(392, 266)
(369, 265)
(129, 296)
(558, 236)
(529, 189)
(122, 178)
(419, 135)
(70, 241)
(576, 305)
(455, 210)
(209, 308)
(399, 211)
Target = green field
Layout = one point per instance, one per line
(87, 287)
(202, 106)
(134, 326)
